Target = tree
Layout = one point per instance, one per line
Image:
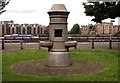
(75, 29)
(102, 11)
(3, 3)
(91, 27)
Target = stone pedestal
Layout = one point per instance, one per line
(58, 59)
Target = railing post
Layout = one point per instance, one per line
(110, 33)
(75, 47)
(21, 44)
(39, 45)
(110, 43)
(92, 43)
(3, 43)
(39, 42)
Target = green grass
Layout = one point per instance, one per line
(108, 58)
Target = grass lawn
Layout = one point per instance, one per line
(108, 58)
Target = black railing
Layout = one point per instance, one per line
(78, 39)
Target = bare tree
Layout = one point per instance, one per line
(3, 3)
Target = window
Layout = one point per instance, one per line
(12, 30)
(23, 30)
(2, 29)
(17, 28)
(58, 32)
(7, 29)
(34, 30)
(38, 29)
(29, 30)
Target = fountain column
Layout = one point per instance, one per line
(58, 53)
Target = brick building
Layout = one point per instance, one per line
(104, 29)
(84, 29)
(7, 27)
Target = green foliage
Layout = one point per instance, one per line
(3, 4)
(75, 29)
(91, 27)
(108, 58)
(102, 11)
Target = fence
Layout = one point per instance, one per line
(91, 40)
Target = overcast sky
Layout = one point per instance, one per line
(35, 11)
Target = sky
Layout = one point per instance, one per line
(35, 11)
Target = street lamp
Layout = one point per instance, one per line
(110, 33)
(3, 3)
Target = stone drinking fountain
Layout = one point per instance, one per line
(58, 44)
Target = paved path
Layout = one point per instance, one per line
(80, 45)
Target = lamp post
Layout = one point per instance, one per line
(3, 3)
(110, 34)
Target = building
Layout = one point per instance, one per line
(8, 27)
(101, 29)
(84, 29)
(104, 29)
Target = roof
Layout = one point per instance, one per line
(58, 8)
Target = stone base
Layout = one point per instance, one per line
(58, 59)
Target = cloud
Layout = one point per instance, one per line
(103, 0)
(21, 11)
